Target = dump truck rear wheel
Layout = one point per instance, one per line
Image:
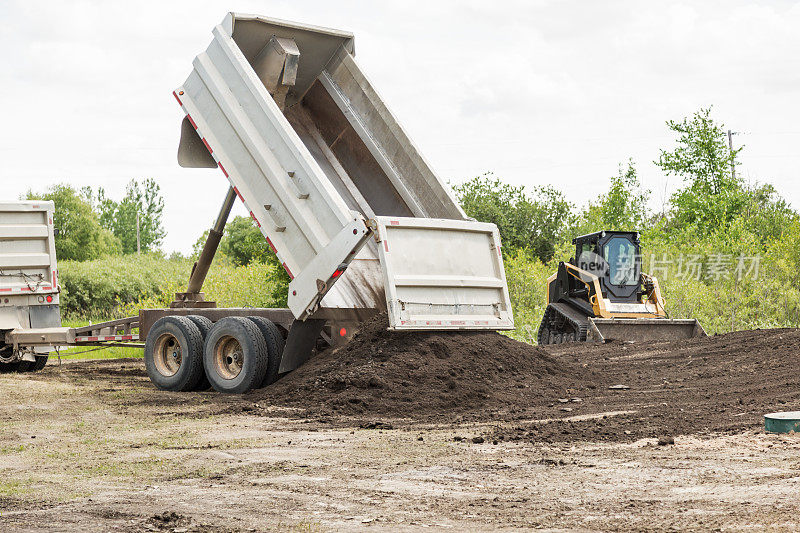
(275, 343)
(235, 355)
(204, 325)
(173, 354)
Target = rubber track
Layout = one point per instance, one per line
(563, 314)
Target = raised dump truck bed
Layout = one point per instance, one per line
(352, 210)
(332, 180)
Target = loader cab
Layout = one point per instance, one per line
(614, 257)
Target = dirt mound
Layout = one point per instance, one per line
(720, 384)
(427, 375)
(610, 392)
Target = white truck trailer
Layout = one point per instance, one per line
(30, 320)
(28, 281)
(355, 214)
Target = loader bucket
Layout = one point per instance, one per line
(643, 329)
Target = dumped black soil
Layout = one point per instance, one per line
(719, 384)
(437, 376)
(724, 384)
(611, 392)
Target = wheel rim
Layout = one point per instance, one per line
(168, 356)
(228, 357)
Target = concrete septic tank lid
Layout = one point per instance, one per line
(785, 422)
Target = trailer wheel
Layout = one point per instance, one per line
(9, 367)
(29, 366)
(173, 354)
(275, 343)
(204, 325)
(235, 355)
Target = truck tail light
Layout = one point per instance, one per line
(343, 332)
(49, 298)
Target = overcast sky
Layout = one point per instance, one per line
(538, 92)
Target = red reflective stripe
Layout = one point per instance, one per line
(386, 245)
(271, 245)
(239, 195)
(255, 219)
(54, 279)
(191, 120)
(176, 97)
(5, 290)
(26, 289)
(395, 223)
(207, 146)
(286, 268)
(224, 171)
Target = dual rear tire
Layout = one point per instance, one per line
(173, 354)
(234, 355)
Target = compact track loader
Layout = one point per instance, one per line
(604, 295)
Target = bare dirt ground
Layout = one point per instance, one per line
(93, 446)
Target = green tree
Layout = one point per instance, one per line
(622, 208)
(243, 243)
(80, 237)
(766, 213)
(714, 195)
(143, 200)
(535, 223)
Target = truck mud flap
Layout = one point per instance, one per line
(643, 329)
(300, 343)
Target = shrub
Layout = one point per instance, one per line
(96, 289)
(119, 286)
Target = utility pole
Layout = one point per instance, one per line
(138, 240)
(730, 147)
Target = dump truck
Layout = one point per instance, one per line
(30, 318)
(602, 294)
(352, 210)
(28, 281)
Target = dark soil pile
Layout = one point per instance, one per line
(610, 392)
(438, 376)
(720, 384)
